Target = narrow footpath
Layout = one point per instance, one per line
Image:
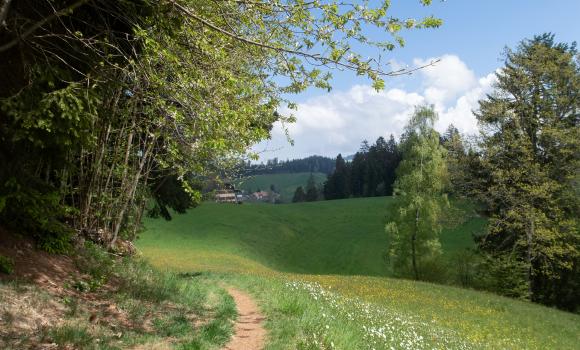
(249, 333)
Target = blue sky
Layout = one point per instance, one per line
(470, 42)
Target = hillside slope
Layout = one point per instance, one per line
(285, 184)
(344, 237)
(318, 302)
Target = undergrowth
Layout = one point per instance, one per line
(6, 265)
(121, 303)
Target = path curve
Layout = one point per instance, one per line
(249, 333)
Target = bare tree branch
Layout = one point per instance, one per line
(4, 12)
(64, 12)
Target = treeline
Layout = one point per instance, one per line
(310, 193)
(370, 173)
(523, 168)
(312, 164)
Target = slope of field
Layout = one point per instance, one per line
(343, 237)
(300, 260)
(286, 184)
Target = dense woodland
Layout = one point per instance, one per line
(370, 173)
(312, 164)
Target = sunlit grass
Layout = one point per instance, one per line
(255, 247)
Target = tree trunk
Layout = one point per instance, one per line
(130, 194)
(413, 248)
(529, 256)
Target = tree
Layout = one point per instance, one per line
(392, 162)
(98, 98)
(337, 185)
(421, 175)
(357, 176)
(299, 195)
(312, 192)
(456, 161)
(530, 140)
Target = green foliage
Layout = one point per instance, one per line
(141, 91)
(370, 173)
(95, 262)
(503, 274)
(140, 282)
(36, 210)
(336, 186)
(6, 265)
(70, 335)
(421, 177)
(312, 193)
(530, 148)
(299, 195)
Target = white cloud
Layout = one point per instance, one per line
(445, 80)
(337, 122)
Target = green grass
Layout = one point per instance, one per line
(286, 184)
(357, 312)
(318, 274)
(329, 237)
(130, 304)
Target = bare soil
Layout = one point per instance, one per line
(249, 333)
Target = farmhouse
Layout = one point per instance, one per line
(261, 195)
(228, 195)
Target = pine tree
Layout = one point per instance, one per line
(393, 159)
(421, 176)
(312, 192)
(299, 195)
(456, 161)
(531, 143)
(337, 184)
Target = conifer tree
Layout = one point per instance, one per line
(531, 143)
(312, 192)
(299, 195)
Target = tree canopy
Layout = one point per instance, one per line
(530, 142)
(102, 100)
(421, 178)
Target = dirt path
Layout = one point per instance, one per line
(249, 333)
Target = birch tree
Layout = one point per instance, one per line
(421, 176)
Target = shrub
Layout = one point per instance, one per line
(463, 267)
(6, 265)
(33, 206)
(139, 280)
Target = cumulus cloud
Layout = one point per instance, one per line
(337, 122)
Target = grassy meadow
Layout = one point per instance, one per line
(286, 184)
(318, 273)
(343, 237)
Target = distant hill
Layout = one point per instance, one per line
(285, 184)
(312, 164)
